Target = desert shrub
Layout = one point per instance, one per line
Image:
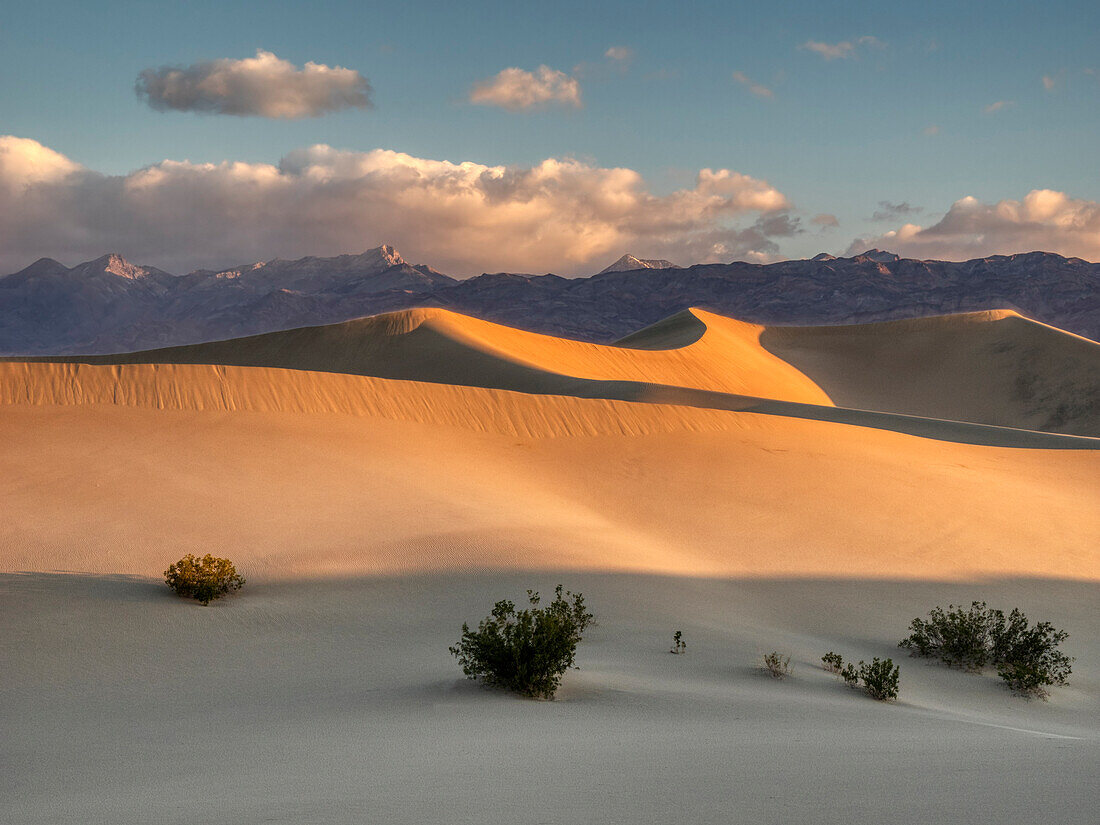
(1026, 658)
(850, 675)
(880, 679)
(777, 665)
(203, 579)
(526, 651)
(678, 643)
(958, 636)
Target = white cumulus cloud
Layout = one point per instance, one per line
(1044, 220)
(559, 215)
(264, 85)
(518, 89)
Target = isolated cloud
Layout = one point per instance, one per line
(757, 89)
(825, 221)
(889, 211)
(842, 50)
(1044, 220)
(931, 130)
(997, 106)
(621, 54)
(517, 89)
(264, 85)
(559, 215)
(1049, 82)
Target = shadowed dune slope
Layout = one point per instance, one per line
(990, 367)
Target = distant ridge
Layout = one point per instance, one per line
(112, 305)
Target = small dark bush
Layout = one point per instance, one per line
(880, 679)
(1027, 658)
(777, 665)
(678, 643)
(203, 579)
(526, 651)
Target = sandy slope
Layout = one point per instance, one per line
(985, 367)
(372, 516)
(991, 367)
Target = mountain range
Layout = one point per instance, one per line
(111, 305)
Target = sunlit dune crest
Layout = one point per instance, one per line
(994, 368)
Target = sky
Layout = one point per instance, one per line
(488, 136)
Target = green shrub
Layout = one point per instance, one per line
(957, 636)
(526, 651)
(1026, 658)
(203, 579)
(880, 679)
(777, 665)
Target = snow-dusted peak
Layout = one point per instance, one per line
(628, 263)
(880, 256)
(114, 264)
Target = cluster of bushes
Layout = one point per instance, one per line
(1026, 656)
(528, 651)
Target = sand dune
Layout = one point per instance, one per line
(989, 367)
(1021, 376)
(382, 481)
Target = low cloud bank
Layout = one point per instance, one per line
(1045, 220)
(561, 215)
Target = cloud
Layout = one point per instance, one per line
(1049, 82)
(517, 89)
(931, 130)
(842, 50)
(996, 107)
(825, 221)
(1044, 220)
(560, 215)
(889, 211)
(756, 88)
(264, 85)
(622, 54)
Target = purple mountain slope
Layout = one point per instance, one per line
(110, 305)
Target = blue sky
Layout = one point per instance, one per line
(900, 120)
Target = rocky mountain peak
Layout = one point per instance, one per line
(628, 263)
